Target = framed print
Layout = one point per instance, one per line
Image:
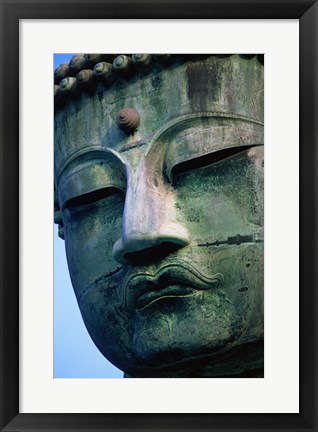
(282, 395)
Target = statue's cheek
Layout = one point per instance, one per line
(89, 237)
(107, 326)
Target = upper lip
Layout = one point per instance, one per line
(168, 275)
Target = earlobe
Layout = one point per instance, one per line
(58, 217)
(61, 231)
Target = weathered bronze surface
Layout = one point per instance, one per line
(163, 226)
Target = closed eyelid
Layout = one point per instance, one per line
(91, 197)
(205, 160)
(209, 144)
(87, 180)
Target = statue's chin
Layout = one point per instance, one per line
(176, 329)
(241, 360)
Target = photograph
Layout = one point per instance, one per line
(158, 190)
(159, 201)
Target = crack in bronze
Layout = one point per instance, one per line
(133, 146)
(236, 240)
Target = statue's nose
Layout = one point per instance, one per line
(150, 229)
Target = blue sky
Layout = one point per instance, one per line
(75, 355)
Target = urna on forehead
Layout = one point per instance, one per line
(107, 101)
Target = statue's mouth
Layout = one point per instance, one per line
(155, 294)
(143, 289)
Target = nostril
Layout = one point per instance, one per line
(138, 248)
(151, 254)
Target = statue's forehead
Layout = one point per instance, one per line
(210, 86)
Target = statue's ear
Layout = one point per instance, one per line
(58, 217)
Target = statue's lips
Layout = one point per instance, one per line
(159, 293)
(170, 280)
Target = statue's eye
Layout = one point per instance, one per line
(208, 140)
(89, 182)
(93, 197)
(203, 161)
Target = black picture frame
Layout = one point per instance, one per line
(11, 12)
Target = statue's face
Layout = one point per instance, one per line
(164, 241)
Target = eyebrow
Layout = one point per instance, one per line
(175, 125)
(89, 154)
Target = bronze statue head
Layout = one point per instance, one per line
(159, 197)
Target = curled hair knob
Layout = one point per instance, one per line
(77, 63)
(122, 64)
(103, 70)
(60, 73)
(142, 61)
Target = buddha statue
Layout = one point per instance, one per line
(159, 197)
